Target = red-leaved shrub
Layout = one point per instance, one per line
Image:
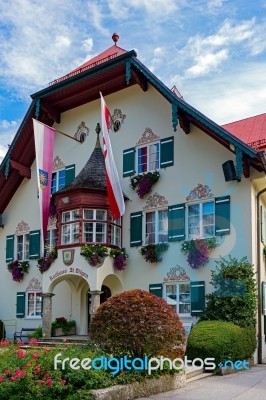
(138, 323)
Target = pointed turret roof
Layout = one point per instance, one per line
(92, 175)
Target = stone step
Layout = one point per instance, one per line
(191, 372)
(200, 376)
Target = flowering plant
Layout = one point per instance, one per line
(94, 253)
(197, 251)
(17, 269)
(45, 262)
(119, 256)
(143, 183)
(152, 252)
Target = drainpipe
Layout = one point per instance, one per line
(259, 278)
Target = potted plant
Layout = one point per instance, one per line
(94, 254)
(45, 262)
(119, 258)
(18, 269)
(143, 183)
(197, 251)
(152, 252)
(61, 326)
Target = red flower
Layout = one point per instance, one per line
(7, 372)
(35, 356)
(63, 381)
(49, 382)
(1, 378)
(21, 354)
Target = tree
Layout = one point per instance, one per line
(234, 297)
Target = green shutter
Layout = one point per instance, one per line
(157, 289)
(9, 248)
(197, 293)
(263, 294)
(129, 162)
(222, 215)
(20, 304)
(176, 222)
(167, 152)
(136, 229)
(34, 250)
(70, 173)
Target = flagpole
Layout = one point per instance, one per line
(56, 130)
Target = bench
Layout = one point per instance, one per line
(24, 333)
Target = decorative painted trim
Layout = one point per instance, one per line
(68, 256)
(176, 273)
(34, 285)
(58, 163)
(82, 132)
(147, 137)
(52, 221)
(117, 118)
(155, 201)
(37, 108)
(200, 192)
(21, 228)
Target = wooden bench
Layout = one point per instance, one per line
(24, 333)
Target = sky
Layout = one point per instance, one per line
(213, 51)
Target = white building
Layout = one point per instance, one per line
(155, 129)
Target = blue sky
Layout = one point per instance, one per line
(214, 51)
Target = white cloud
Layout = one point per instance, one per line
(207, 63)
(214, 6)
(156, 9)
(88, 44)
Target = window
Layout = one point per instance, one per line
(178, 296)
(51, 238)
(23, 242)
(116, 232)
(148, 157)
(94, 226)
(156, 227)
(58, 180)
(70, 227)
(33, 304)
(201, 220)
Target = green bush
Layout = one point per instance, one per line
(37, 334)
(234, 295)
(138, 323)
(221, 340)
(2, 330)
(64, 324)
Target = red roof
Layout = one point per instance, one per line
(250, 130)
(108, 54)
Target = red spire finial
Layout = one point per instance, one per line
(115, 37)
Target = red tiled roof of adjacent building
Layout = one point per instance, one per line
(250, 130)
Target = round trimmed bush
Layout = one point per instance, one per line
(138, 323)
(221, 340)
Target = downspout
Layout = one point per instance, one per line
(259, 278)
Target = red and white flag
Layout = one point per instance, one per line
(44, 148)
(115, 195)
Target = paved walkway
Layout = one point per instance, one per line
(247, 385)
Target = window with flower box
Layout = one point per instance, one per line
(50, 241)
(94, 226)
(23, 246)
(156, 227)
(70, 227)
(148, 157)
(200, 220)
(115, 230)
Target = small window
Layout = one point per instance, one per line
(201, 220)
(33, 304)
(148, 157)
(50, 242)
(94, 226)
(23, 242)
(178, 296)
(116, 232)
(156, 227)
(70, 227)
(58, 180)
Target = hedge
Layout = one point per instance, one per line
(221, 340)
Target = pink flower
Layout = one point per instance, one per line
(7, 372)
(35, 356)
(46, 375)
(49, 382)
(4, 343)
(33, 341)
(1, 378)
(12, 378)
(63, 381)
(40, 383)
(21, 354)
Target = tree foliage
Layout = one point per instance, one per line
(138, 323)
(234, 295)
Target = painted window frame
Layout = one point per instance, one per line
(201, 226)
(116, 232)
(51, 239)
(26, 247)
(95, 222)
(157, 232)
(157, 161)
(35, 311)
(74, 227)
(176, 306)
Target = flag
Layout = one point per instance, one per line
(44, 148)
(115, 195)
